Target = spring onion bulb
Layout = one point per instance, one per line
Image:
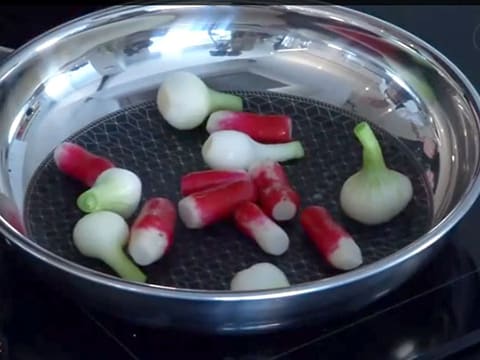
(260, 276)
(116, 189)
(185, 101)
(231, 149)
(102, 235)
(375, 194)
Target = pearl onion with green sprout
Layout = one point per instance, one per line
(375, 194)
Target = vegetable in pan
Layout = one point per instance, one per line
(152, 232)
(277, 197)
(375, 194)
(271, 128)
(231, 149)
(203, 179)
(185, 101)
(116, 189)
(252, 221)
(78, 163)
(261, 276)
(330, 238)
(209, 206)
(102, 235)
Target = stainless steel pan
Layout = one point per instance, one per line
(93, 80)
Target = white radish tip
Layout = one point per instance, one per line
(347, 255)
(147, 246)
(58, 152)
(272, 239)
(285, 210)
(189, 213)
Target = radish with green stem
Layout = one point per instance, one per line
(102, 235)
(231, 149)
(375, 194)
(151, 234)
(185, 101)
(266, 128)
(80, 164)
(117, 190)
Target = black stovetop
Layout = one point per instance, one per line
(432, 316)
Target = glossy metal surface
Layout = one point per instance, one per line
(71, 76)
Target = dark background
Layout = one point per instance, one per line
(449, 28)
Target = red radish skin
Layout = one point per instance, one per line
(280, 202)
(267, 172)
(277, 197)
(78, 163)
(204, 208)
(330, 238)
(152, 232)
(254, 223)
(204, 179)
(266, 128)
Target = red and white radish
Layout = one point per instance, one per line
(116, 189)
(231, 149)
(280, 202)
(206, 207)
(277, 197)
(266, 128)
(267, 172)
(204, 179)
(185, 101)
(102, 235)
(330, 238)
(152, 232)
(80, 164)
(261, 276)
(253, 222)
